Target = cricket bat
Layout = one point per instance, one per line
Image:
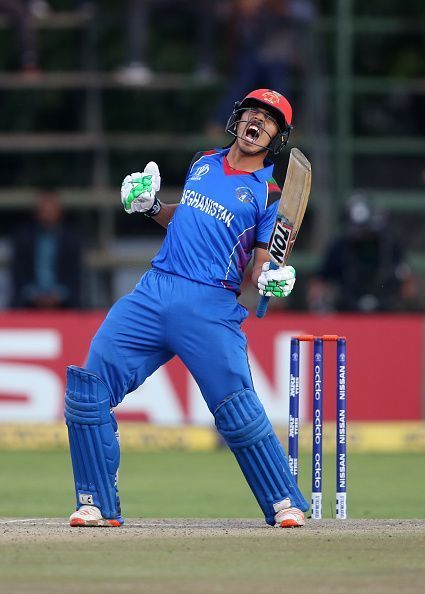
(292, 206)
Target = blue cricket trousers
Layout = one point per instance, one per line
(168, 315)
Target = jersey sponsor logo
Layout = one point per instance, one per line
(199, 173)
(206, 205)
(244, 194)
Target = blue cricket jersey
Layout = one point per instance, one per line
(222, 216)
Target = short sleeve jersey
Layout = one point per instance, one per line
(222, 216)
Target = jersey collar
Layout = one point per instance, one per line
(261, 174)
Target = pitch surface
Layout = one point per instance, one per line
(235, 556)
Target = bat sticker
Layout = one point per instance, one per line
(280, 241)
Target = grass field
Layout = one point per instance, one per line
(208, 485)
(197, 553)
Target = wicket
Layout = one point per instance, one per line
(294, 400)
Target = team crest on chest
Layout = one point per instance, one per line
(199, 172)
(244, 194)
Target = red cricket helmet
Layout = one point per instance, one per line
(276, 104)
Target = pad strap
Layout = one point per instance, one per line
(243, 423)
(93, 441)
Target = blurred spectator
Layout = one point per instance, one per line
(205, 20)
(42, 8)
(135, 69)
(38, 8)
(85, 5)
(364, 269)
(141, 15)
(46, 259)
(20, 15)
(263, 48)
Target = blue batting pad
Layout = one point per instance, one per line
(93, 442)
(243, 423)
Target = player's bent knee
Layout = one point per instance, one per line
(93, 443)
(241, 419)
(87, 397)
(243, 423)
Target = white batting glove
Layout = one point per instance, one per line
(276, 283)
(138, 191)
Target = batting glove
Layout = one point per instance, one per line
(276, 283)
(138, 191)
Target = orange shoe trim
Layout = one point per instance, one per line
(102, 523)
(77, 522)
(290, 523)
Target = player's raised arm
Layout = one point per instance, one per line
(138, 194)
(261, 256)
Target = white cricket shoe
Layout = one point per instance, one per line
(89, 515)
(292, 517)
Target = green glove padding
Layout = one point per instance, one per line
(277, 288)
(142, 185)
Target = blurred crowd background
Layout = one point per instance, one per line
(92, 90)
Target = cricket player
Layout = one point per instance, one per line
(186, 305)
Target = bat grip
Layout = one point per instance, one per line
(264, 301)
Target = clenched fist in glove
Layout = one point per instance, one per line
(276, 283)
(138, 191)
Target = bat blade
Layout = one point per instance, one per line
(291, 210)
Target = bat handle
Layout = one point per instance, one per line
(262, 306)
(264, 301)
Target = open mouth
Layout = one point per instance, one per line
(252, 133)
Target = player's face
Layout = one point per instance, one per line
(256, 128)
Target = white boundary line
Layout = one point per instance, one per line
(167, 524)
(37, 520)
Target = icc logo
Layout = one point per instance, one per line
(199, 172)
(244, 194)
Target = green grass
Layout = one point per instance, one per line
(42, 560)
(181, 484)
